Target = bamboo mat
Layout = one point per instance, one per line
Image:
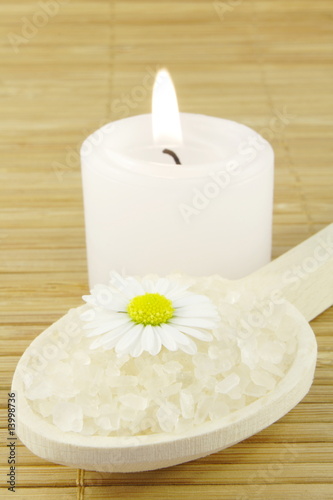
(265, 63)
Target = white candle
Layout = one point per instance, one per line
(144, 214)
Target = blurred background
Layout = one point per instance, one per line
(70, 66)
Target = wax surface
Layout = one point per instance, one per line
(144, 214)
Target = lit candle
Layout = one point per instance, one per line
(145, 213)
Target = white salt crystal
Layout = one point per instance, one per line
(122, 381)
(104, 423)
(249, 351)
(64, 390)
(262, 378)
(145, 424)
(88, 404)
(186, 404)
(148, 378)
(28, 377)
(61, 369)
(183, 426)
(127, 413)
(164, 378)
(232, 297)
(134, 401)
(203, 408)
(105, 394)
(186, 378)
(112, 370)
(227, 384)
(89, 428)
(226, 358)
(237, 404)
(272, 368)
(40, 390)
(272, 351)
(82, 357)
(167, 417)
(202, 361)
(61, 376)
(172, 390)
(219, 409)
(226, 365)
(291, 346)
(106, 409)
(45, 407)
(68, 416)
(121, 360)
(173, 367)
(109, 422)
(255, 391)
(115, 420)
(96, 379)
(235, 393)
(208, 384)
(214, 352)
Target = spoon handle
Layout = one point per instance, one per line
(304, 275)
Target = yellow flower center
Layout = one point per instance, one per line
(150, 309)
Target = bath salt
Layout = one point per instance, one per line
(186, 404)
(227, 384)
(68, 416)
(134, 401)
(264, 379)
(96, 392)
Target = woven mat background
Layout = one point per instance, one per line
(70, 66)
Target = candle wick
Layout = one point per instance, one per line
(173, 154)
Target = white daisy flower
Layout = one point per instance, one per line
(133, 316)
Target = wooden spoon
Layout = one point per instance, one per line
(304, 277)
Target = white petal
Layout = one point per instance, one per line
(191, 299)
(147, 337)
(137, 349)
(90, 299)
(105, 328)
(167, 340)
(198, 334)
(88, 315)
(161, 286)
(197, 311)
(118, 303)
(196, 322)
(102, 295)
(117, 279)
(118, 282)
(148, 285)
(191, 348)
(96, 289)
(108, 327)
(177, 292)
(102, 318)
(132, 289)
(179, 337)
(128, 339)
(157, 344)
(151, 341)
(110, 339)
(136, 287)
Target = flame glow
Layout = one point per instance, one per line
(165, 113)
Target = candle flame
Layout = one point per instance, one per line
(166, 118)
